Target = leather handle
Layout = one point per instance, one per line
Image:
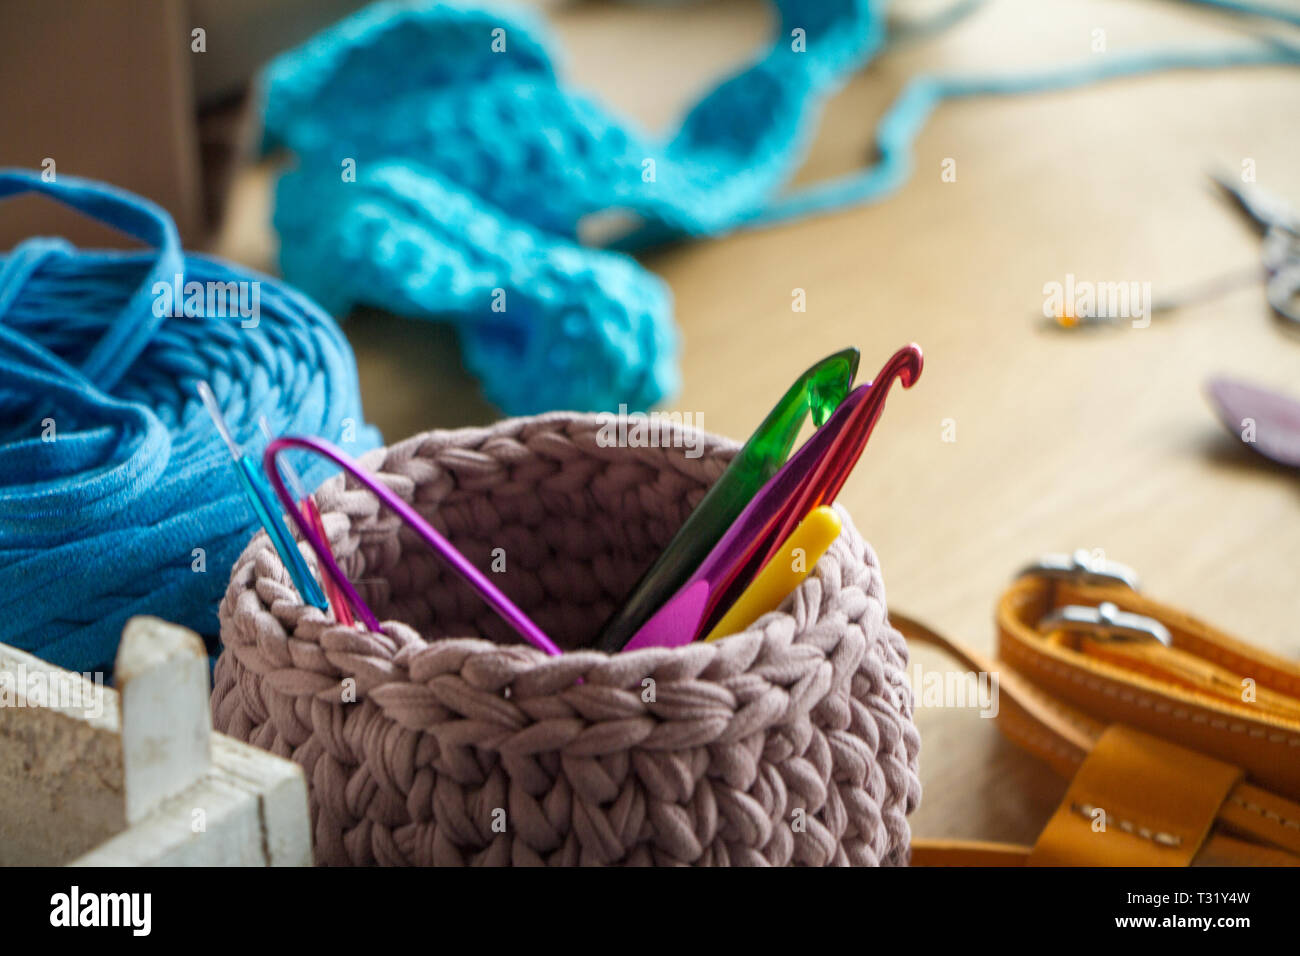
(1251, 825)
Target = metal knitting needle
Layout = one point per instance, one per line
(214, 411)
(260, 497)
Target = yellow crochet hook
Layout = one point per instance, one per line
(787, 569)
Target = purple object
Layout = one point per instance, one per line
(1270, 419)
(812, 477)
(513, 616)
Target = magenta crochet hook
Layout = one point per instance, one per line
(812, 477)
(508, 610)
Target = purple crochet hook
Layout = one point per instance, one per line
(812, 477)
(459, 563)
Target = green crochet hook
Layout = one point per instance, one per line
(818, 390)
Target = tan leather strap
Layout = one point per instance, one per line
(1209, 692)
(1211, 717)
(967, 853)
(1136, 801)
(1218, 850)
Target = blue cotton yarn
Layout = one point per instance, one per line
(579, 325)
(474, 169)
(102, 522)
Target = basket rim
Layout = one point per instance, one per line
(333, 652)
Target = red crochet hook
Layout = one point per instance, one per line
(814, 476)
(847, 445)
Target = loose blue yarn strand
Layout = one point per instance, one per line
(102, 522)
(898, 130)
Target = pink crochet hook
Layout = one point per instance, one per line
(508, 610)
(812, 477)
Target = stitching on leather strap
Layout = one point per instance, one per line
(1237, 662)
(1013, 649)
(1016, 727)
(1265, 812)
(1066, 713)
(1128, 826)
(1163, 795)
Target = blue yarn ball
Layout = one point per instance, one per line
(117, 495)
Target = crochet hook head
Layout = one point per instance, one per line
(837, 449)
(818, 391)
(905, 365)
(835, 464)
(812, 477)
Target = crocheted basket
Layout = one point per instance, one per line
(445, 741)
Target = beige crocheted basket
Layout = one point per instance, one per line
(444, 741)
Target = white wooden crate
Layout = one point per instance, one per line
(94, 776)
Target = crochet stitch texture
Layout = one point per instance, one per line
(474, 167)
(443, 741)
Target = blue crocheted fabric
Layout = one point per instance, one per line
(117, 496)
(474, 168)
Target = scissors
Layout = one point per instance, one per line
(1280, 225)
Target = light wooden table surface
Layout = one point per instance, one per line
(1096, 440)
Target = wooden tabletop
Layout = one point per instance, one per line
(1101, 440)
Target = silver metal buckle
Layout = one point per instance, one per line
(1109, 621)
(1082, 567)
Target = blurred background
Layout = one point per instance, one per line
(1019, 438)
